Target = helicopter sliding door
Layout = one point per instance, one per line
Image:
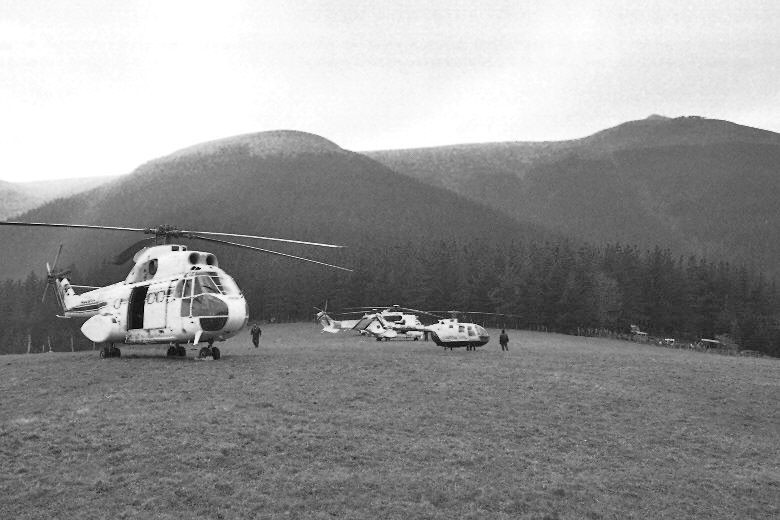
(135, 307)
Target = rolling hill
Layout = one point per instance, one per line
(695, 185)
(18, 197)
(14, 200)
(283, 183)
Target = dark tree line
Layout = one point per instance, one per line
(559, 287)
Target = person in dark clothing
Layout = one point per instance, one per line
(503, 339)
(256, 332)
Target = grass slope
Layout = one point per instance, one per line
(321, 426)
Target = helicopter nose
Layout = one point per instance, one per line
(238, 314)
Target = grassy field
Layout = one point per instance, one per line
(321, 426)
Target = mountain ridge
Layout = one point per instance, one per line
(695, 185)
(321, 194)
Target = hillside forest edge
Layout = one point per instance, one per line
(550, 286)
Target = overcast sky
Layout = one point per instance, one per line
(94, 87)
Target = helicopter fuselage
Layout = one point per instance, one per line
(451, 333)
(171, 295)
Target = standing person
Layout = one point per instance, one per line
(256, 332)
(504, 340)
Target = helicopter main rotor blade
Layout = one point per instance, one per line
(85, 226)
(218, 241)
(190, 233)
(393, 308)
(167, 231)
(428, 313)
(482, 313)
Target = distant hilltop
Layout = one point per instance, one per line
(263, 144)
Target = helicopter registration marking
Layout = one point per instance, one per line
(157, 297)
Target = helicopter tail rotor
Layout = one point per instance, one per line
(52, 276)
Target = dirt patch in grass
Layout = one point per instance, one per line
(321, 426)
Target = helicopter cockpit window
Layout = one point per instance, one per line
(481, 331)
(225, 284)
(206, 305)
(204, 284)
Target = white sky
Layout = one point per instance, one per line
(95, 87)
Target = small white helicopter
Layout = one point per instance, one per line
(451, 333)
(172, 295)
(446, 332)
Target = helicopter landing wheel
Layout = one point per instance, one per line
(215, 353)
(181, 351)
(171, 351)
(204, 352)
(110, 351)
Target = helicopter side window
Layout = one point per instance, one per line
(461, 328)
(471, 331)
(186, 301)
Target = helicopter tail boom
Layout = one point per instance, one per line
(73, 305)
(328, 325)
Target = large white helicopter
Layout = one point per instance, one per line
(172, 295)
